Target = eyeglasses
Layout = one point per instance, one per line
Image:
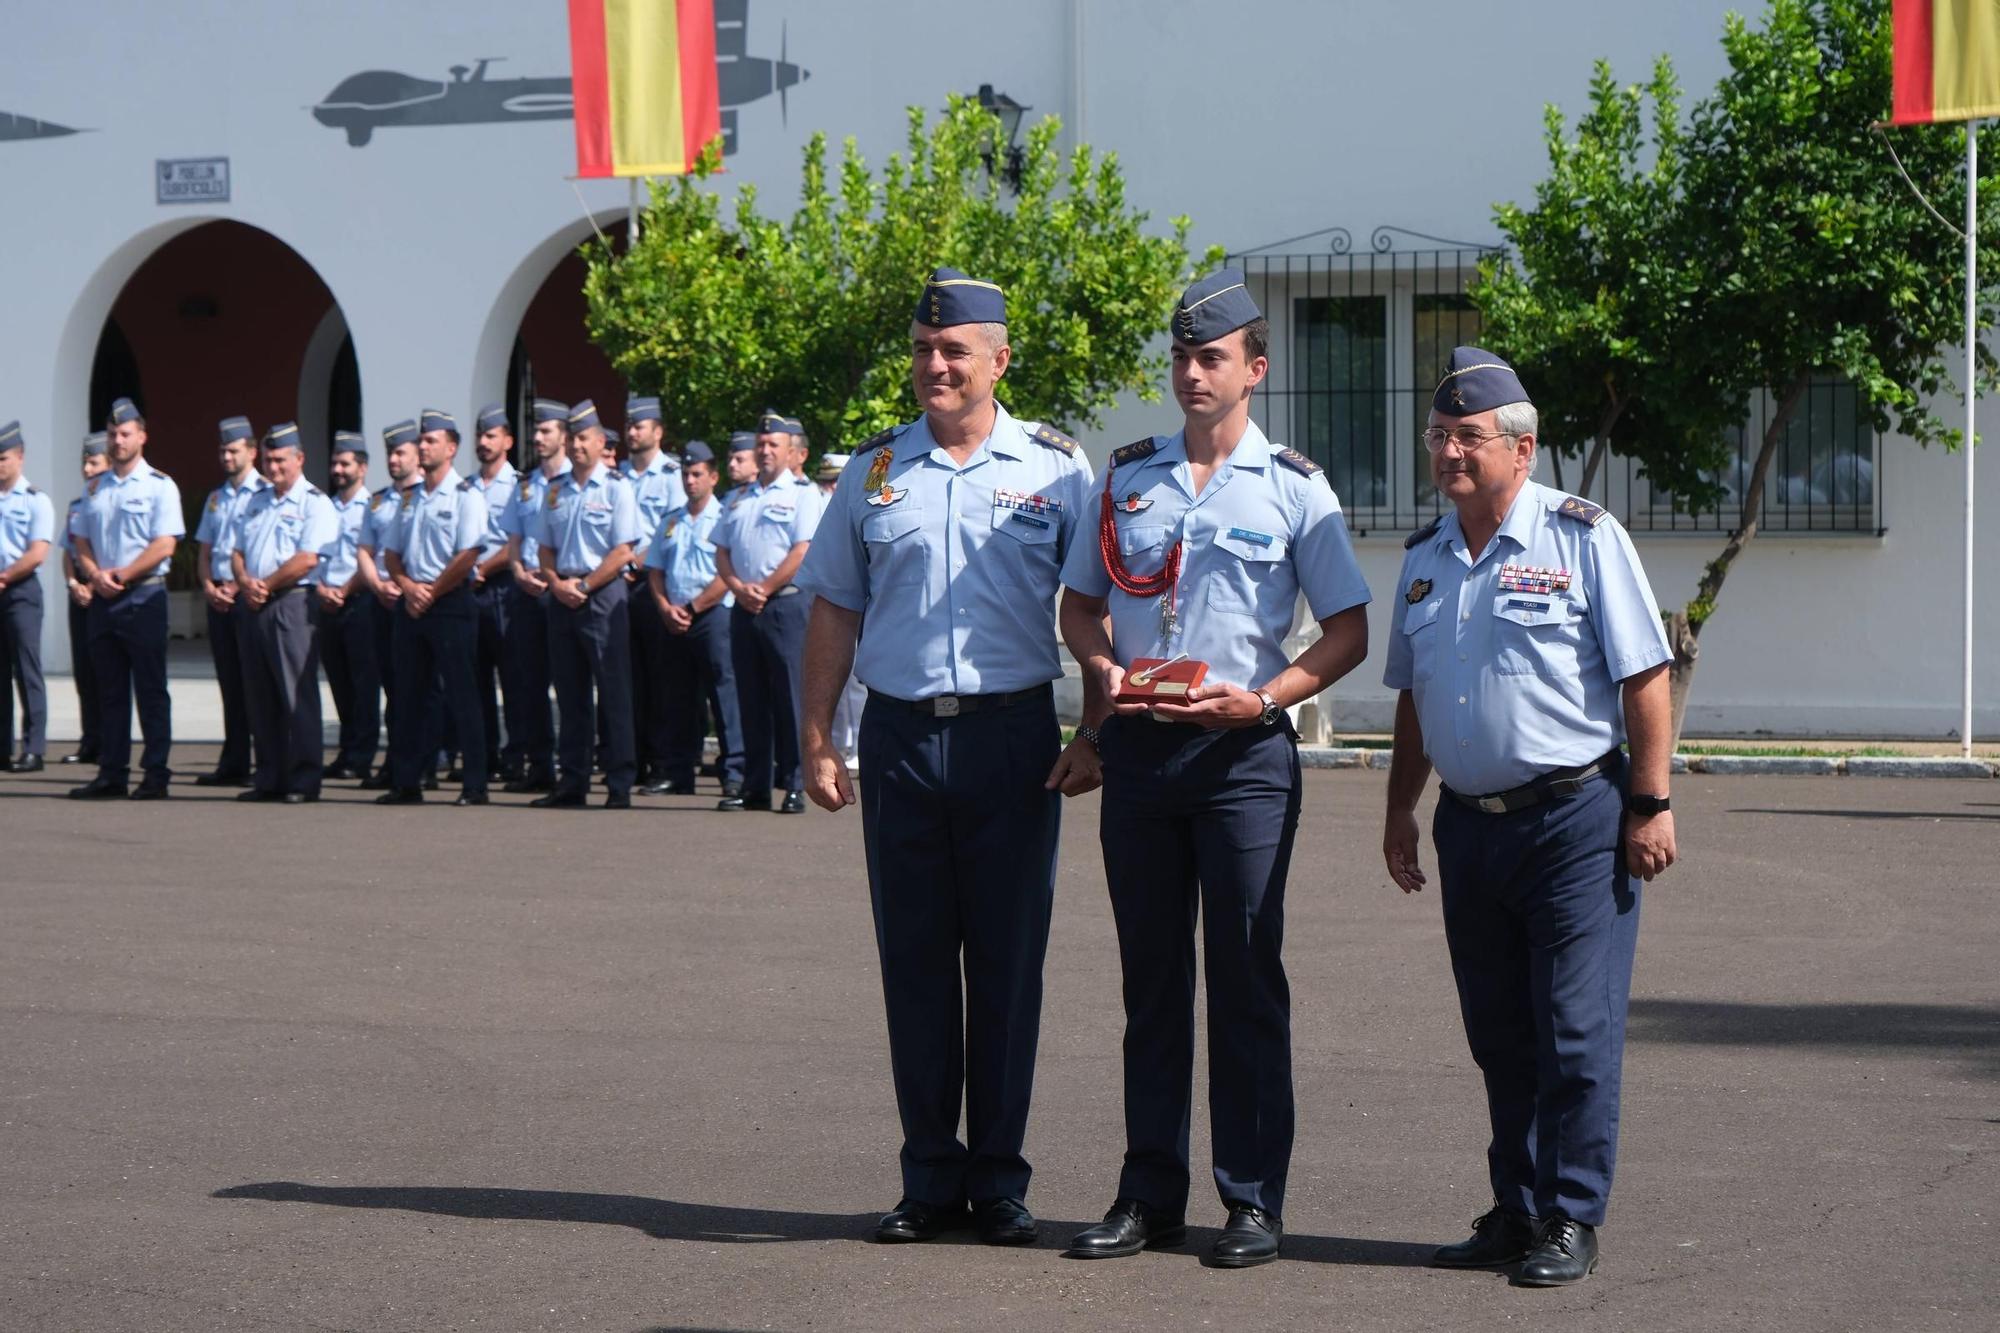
(1466, 438)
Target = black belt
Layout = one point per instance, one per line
(956, 705)
(1556, 782)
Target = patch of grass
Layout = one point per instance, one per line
(1796, 751)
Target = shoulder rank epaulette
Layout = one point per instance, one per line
(465, 484)
(32, 491)
(1134, 451)
(1298, 462)
(1049, 437)
(875, 441)
(1583, 511)
(1425, 533)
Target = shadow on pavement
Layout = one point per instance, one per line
(1931, 815)
(1971, 1032)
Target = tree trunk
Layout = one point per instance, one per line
(1591, 466)
(1684, 627)
(1614, 408)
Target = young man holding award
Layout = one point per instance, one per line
(1206, 538)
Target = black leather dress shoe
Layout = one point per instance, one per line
(222, 778)
(339, 773)
(731, 803)
(97, 789)
(911, 1221)
(377, 781)
(732, 789)
(1004, 1222)
(1565, 1252)
(80, 757)
(1130, 1226)
(400, 796)
(454, 774)
(559, 800)
(618, 800)
(471, 798)
(301, 797)
(1251, 1238)
(429, 783)
(150, 789)
(532, 781)
(255, 795)
(27, 763)
(669, 787)
(1499, 1236)
(795, 803)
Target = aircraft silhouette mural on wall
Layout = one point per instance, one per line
(27, 127)
(363, 103)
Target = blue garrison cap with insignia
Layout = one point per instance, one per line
(775, 423)
(1476, 381)
(697, 451)
(436, 419)
(1212, 307)
(583, 415)
(548, 409)
(284, 435)
(742, 441)
(122, 411)
(952, 298)
(94, 444)
(641, 409)
(491, 417)
(349, 441)
(403, 432)
(232, 429)
(610, 435)
(10, 438)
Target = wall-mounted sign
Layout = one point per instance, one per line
(191, 180)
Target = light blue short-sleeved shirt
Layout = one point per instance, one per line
(955, 574)
(523, 516)
(657, 490)
(1265, 529)
(1514, 659)
(760, 530)
(498, 494)
(436, 525)
(583, 522)
(273, 528)
(27, 516)
(73, 525)
(684, 552)
(219, 517)
(379, 524)
(127, 514)
(349, 515)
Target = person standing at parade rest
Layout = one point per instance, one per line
(386, 511)
(81, 674)
(493, 591)
(242, 477)
(345, 615)
(1525, 647)
(588, 525)
(27, 527)
(657, 485)
(693, 606)
(946, 536)
(130, 527)
(280, 539)
(431, 553)
(528, 626)
(1205, 540)
(758, 550)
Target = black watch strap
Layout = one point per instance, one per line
(1647, 805)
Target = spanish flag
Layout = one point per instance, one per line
(645, 83)
(1947, 60)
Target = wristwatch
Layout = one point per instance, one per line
(1271, 709)
(1093, 735)
(1647, 805)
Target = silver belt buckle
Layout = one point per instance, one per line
(945, 705)
(1492, 805)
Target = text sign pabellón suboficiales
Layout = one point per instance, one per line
(191, 180)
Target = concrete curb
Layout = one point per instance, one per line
(1721, 765)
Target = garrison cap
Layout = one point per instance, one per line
(432, 418)
(491, 417)
(232, 429)
(610, 435)
(1476, 381)
(349, 442)
(123, 411)
(93, 444)
(641, 409)
(548, 409)
(742, 441)
(830, 466)
(697, 451)
(403, 432)
(952, 298)
(284, 435)
(583, 415)
(774, 423)
(1213, 307)
(10, 438)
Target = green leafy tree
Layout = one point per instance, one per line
(723, 316)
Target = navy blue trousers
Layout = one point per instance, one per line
(21, 668)
(494, 602)
(83, 673)
(528, 692)
(128, 649)
(1543, 919)
(653, 702)
(430, 704)
(961, 844)
(347, 650)
(590, 653)
(699, 667)
(766, 649)
(435, 652)
(1198, 823)
(280, 652)
(225, 650)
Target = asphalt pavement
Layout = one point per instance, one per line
(340, 1067)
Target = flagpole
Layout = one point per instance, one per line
(1971, 406)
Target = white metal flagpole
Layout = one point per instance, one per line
(1971, 406)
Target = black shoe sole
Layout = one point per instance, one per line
(1240, 1260)
(1160, 1240)
(1520, 1281)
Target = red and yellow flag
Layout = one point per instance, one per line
(644, 77)
(1947, 60)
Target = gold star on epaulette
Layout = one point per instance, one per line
(1298, 462)
(1055, 439)
(1134, 451)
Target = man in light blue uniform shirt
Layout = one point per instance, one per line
(939, 551)
(81, 672)
(493, 591)
(385, 514)
(759, 547)
(280, 539)
(27, 529)
(1526, 645)
(432, 551)
(588, 524)
(693, 605)
(347, 615)
(1205, 540)
(655, 478)
(528, 626)
(236, 450)
(130, 528)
